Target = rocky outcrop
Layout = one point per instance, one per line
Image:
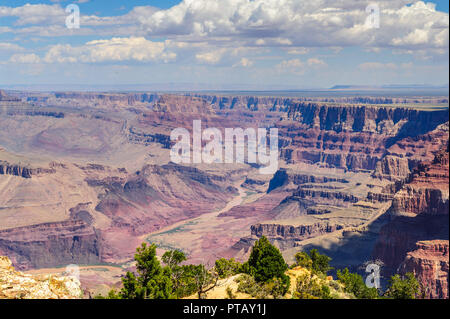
(427, 189)
(289, 232)
(419, 212)
(400, 235)
(324, 195)
(284, 236)
(392, 168)
(135, 136)
(429, 262)
(16, 170)
(284, 177)
(413, 200)
(17, 285)
(22, 171)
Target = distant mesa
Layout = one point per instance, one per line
(351, 87)
(388, 87)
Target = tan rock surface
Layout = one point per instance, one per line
(17, 285)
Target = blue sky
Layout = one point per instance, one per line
(224, 44)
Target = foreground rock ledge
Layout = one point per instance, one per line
(17, 285)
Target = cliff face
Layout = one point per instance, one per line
(381, 120)
(419, 212)
(51, 244)
(282, 178)
(420, 200)
(392, 168)
(22, 171)
(429, 262)
(427, 190)
(294, 233)
(17, 285)
(252, 103)
(16, 170)
(327, 196)
(356, 138)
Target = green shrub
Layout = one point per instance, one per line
(309, 287)
(406, 287)
(227, 267)
(314, 261)
(267, 264)
(173, 258)
(354, 283)
(266, 261)
(152, 280)
(185, 284)
(261, 290)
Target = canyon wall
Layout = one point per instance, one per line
(22, 171)
(51, 244)
(343, 160)
(122, 208)
(429, 262)
(420, 213)
(358, 137)
(292, 233)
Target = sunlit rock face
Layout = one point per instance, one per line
(17, 285)
(416, 237)
(429, 262)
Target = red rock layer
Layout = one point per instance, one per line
(289, 232)
(430, 264)
(357, 137)
(420, 212)
(51, 244)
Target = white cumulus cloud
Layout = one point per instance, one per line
(293, 23)
(30, 58)
(112, 50)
